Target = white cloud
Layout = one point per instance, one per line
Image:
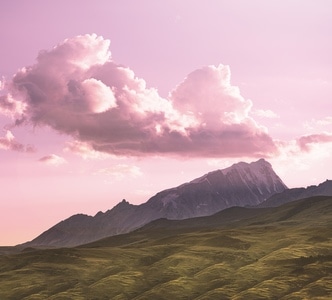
(121, 171)
(12, 105)
(209, 94)
(77, 89)
(303, 165)
(325, 121)
(2, 83)
(319, 124)
(85, 150)
(265, 113)
(53, 160)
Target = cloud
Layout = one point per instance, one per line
(325, 121)
(265, 113)
(313, 162)
(320, 123)
(305, 142)
(52, 160)
(208, 93)
(84, 150)
(121, 171)
(10, 106)
(9, 142)
(76, 89)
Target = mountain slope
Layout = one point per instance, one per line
(268, 253)
(242, 184)
(288, 195)
(304, 212)
(239, 185)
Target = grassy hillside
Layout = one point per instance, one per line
(280, 253)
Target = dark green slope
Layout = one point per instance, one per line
(233, 217)
(272, 253)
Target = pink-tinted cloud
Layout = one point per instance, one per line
(121, 171)
(325, 121)
(84, 150)
(10, 106)
(52, 160)
(208, 93)
(265, 113)
(9, 142)
(305, 142)
(77, 89)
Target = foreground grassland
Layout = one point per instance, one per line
(283, 253)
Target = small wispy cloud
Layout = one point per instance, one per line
(9, 142)
(120, 171)
(325, 121)
(318, 123)
(85, 150)
(53, 160)
(267, 113)
(2, 83)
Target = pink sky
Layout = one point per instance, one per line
(120, 99)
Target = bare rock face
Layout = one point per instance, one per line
(242, 184)
(239, 185)
(289, 195)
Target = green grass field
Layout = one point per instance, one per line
(282, 253)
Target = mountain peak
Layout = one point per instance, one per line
(261, 160)
(255, 164)
(259, 173)
(242, 184)
(123, 204)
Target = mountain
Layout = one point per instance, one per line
(288, 195)
(280, 252)
(242, 184)
(239, 185)
(302, 212)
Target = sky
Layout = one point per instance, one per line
(108, 100)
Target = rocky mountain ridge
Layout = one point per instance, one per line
(289, 195)
(243, 184)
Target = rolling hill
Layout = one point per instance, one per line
(239, 253)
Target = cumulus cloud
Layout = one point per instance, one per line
(76, 88)
(9, 142)
(209, 95)
(52, 160)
